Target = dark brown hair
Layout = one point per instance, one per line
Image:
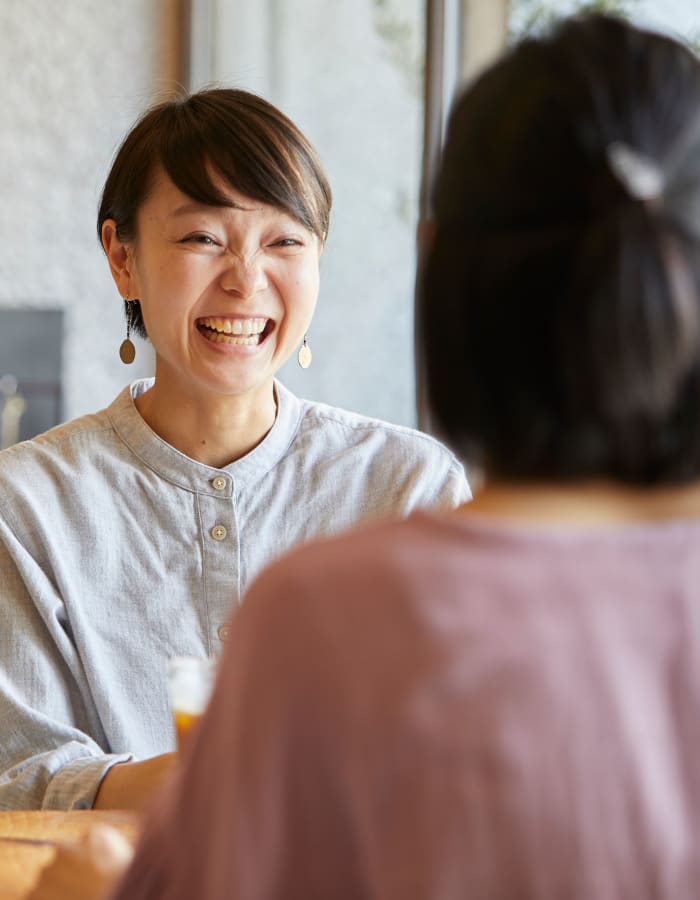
(235, 134)
(560, 314)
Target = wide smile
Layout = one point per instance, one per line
(224, 330)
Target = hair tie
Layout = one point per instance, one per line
(639, 175)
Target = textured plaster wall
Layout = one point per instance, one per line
(74, 75)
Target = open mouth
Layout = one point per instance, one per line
(220, 330)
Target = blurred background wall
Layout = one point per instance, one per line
(74, 76)
(350, 72)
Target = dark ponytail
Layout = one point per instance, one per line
(634, 316)
(560, 304)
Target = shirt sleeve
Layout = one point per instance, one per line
(48, 758)
(455, 489)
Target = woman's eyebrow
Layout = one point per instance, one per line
(194, 207)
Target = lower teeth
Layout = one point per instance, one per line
(220, 338)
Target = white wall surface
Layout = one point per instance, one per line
(74, 74)
(680, 18)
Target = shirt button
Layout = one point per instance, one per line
(219, 532)
(223, 633)
(218, 483)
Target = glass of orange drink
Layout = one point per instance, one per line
(190, 681)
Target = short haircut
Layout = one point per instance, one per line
(220, 131)
(559, 317)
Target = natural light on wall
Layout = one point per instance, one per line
(681, 18)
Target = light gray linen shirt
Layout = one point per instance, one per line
(118, 552)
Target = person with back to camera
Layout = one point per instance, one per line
(500, 702)
(125, 535)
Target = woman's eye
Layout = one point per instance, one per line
(204, 239)
(287, 242)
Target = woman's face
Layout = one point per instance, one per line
(227, 293)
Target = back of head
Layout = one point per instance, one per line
(560, 311)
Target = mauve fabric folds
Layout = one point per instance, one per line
(447, 708)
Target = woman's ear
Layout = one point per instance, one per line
(118, 255)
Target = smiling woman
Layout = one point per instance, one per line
(227, 293)
(217, 199)
(126, 535)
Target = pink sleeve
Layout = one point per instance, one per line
(234, 820)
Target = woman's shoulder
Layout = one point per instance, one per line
(38, 476)
(380, 468)
(453, 548)
(398, 467)
(54, 442)
(314, 412)
(66, 446)
(334, 423)
(526, 594)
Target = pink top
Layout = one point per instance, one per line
(450, 708)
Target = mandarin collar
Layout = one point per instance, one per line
(189, 474)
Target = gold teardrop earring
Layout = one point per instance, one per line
(304, 356)
(127, 351)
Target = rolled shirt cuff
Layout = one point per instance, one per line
(75, 785)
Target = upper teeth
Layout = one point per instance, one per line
(235, 326)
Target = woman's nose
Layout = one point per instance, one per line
(244, 277)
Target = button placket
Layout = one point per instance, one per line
(221, 571)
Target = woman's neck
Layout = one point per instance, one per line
(595, 502)
(213, 429)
